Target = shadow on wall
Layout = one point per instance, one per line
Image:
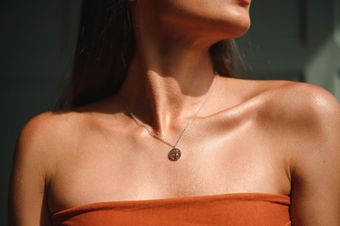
(36, 44)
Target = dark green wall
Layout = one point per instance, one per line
(36, 44)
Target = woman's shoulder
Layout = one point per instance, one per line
(287, 99)
(302, 114)
(40, 143)
(64, 127)
(49, 134)
(305, 119)
(291, 109)
(51, 124)
(299, 101)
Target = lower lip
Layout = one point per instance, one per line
(245, 2)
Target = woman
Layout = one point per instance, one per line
(161, 132)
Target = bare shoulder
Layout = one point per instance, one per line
(55, 132)
(45, 123)
(286, 103)
(46, 135)
(301, 110)
(39, 145)
(299, 102)
(306, 95)
(306, 119)
(49, 126)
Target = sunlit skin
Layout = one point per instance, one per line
(276, 137)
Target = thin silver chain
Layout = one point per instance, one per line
(151, 133)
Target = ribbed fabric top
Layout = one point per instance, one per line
(222, 209)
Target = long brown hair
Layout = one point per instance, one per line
(104, 50)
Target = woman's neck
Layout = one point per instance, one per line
(167, 81)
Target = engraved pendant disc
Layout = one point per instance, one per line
(174, 154)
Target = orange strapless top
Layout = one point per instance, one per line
(222, 209)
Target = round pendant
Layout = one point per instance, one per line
(174, 154)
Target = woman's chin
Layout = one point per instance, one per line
(237, 23)
(232, 30)
(242, 29)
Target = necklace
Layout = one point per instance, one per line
(175, 153)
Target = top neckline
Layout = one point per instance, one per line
(279, 198)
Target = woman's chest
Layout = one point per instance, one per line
(106, 167)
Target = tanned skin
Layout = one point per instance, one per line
(276, 137)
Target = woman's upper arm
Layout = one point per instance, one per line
(316, 168)
(27, 198)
